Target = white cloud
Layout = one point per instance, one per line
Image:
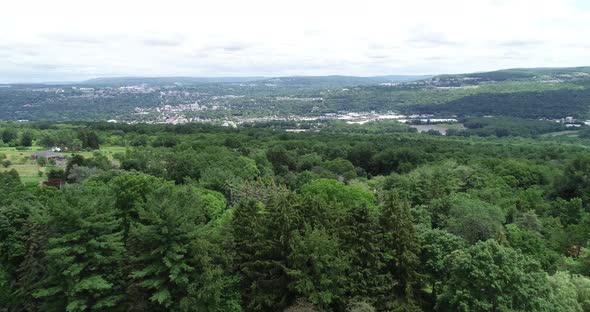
(67, 39)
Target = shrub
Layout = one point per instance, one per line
(56, 174)
(41, 162)
(360, 306)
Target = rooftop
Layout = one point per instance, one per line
(46, 154)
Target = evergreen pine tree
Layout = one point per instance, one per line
(262, 237)
(401, 244)
(83, 253)
(172, 262)
(360, 240)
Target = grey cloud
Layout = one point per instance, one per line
(5, 50)
(164, 42)
(425, 38)
(71, 38)
(381, 58)
(521, 43)
(500, 2)
(375, 46)
(578, 45)
(316, 33)
(378, 56)
(230, 46)
(582, 4)
(45, 67)
(380, 51)
(211, 50)
(41, 73)
(432, 39)
(199, 54)
(60, 68)
(29, 52)
(312, 32)
(438, 58)
(236, 47)
(20, 49)
(513, 55)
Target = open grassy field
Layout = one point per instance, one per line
(29, 170)
(22, 163)
(570, 133)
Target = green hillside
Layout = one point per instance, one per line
(525, 93)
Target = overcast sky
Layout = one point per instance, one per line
(61, 40)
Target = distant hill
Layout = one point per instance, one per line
(521, 92)
(401, 78)
(166, 80)
(518, 92)
(337, 81)
(518, 74)
(289, 81)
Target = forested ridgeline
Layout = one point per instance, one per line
(201, 218)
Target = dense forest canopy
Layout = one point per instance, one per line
(357, 218)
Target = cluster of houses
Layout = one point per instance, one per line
(571, 122)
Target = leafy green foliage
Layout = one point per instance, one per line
(333, 191)
(436, 246)
(575, 180)
(475, 220)
(489, 277)
(508, 126)
(256, 219)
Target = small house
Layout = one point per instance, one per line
(48, 155)
(57, 183)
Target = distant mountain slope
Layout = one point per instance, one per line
(521, 92)
(166, 80)
(401, 78)
(539, 104)
(337, 81)
(518, 74)
(288, 81)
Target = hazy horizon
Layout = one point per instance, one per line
(212, 77)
